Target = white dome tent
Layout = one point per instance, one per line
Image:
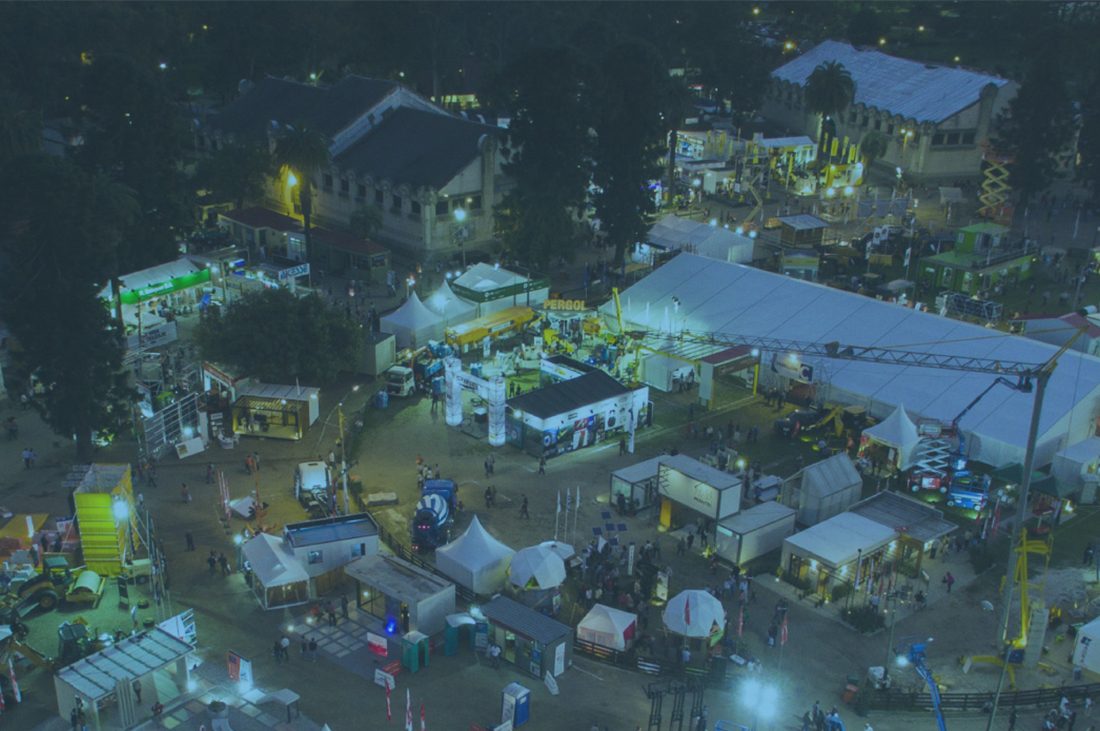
(475, 560)
(412, 324)
(694, 613)
(453, 309)
(539, 565)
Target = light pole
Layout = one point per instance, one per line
(238, 541)
(461, 234)
(343, 447)
(893, 595)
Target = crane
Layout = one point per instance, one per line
(913, 651)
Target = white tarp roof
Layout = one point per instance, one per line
(539, 563)
(829, 476)
(636, 473)
(564, 550)
(910, 89)
(453, 309)
(896, 430)
(158, 274)
(693, 613)
(271, 562)
(757, 517)
(607, 627)
(700, 472)
(485, 278)
(739, 300)
(99, 675)
(412, 324)
(475, 560)
(679, 234)
(838, 540)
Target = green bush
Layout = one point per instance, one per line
(796, 582)
(865, 618)
(840, 591)
(982, 559)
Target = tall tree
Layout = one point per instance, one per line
(236, 172)
(546, 156)
(278, 337)
(1037, 127)
(1088, 171)
(632, 94)
(366, 220)
(59, 234)
(829, 90)
(303, 151)
(872, 145)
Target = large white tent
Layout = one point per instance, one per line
(693, 613)
(538, 564)
(607, 627)
(494, 289)
(899, 432)
(714, 242)
(475, 560)
(709, 296)
(412, 324)
(453, 309)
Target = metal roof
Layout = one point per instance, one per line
(524, 620)
(803, 222)
(330, 530)
(904, 515)
(100, 674)
(566, 396)
(910, 89)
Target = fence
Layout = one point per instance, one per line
(903, 700)
(406, 553)
(716, 673)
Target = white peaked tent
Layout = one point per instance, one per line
(412, 324)
(453, 309)
(607, 627)
(693, 613)
(898, 431)
(476, 560)
(714, 242)
(537, 563)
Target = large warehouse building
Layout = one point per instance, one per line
(707, 296)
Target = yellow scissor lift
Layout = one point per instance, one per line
(1013, 651)
(996, 205)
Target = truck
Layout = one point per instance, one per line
(434, 515)
(311, 487)
(400, 381)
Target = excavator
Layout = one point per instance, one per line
(74, 642)
(913, 652)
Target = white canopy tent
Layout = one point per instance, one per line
(278, 580)
(564, 550)
(538, 564)
(693, 613)
(412, 324)
(450, 307)
(898, 432)
(475, 560)
(495, 289)
(715, 297)
(714, 242)
(607, 627)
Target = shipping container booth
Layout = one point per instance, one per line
(324, 547)
(637, 483)
(690, 489)
(828, 553)
(531, 641)
(275, 412)
(391, 588)
(757, 531)
(106, 517)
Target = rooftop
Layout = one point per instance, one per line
(904, 515)
(259, 217)
(416, 148)
(911, 89)
(565, 396)
(330, 530)
(524, 620)
(803, 222)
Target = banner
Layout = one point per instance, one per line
(389, 711)
(408, 711)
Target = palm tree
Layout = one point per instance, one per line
(829, 90)
(873, 146)
(305, 152)
(366, 220)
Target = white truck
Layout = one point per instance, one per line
(311, 480)
(400, 381)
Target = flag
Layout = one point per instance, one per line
(859, 565)
(908, 253)
(14, 683)
(408, 711)
(741, 620)
(422, 724)
(389, 713)
(783, 632)
(687, 612)
(559, 502)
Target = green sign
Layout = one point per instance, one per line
(133, 296)
(528, 285)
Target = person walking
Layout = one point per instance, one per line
(681, 547)
(28, 458)
(344, 605)
(657, 548)
(331, 614)
(542, 465)
(224, 563)
(305, 647)
(209, 474)
(1012, 718)
(137, 690)
(284, 646)
(313, 649)
(248, 465)
(190, 538)
(212, 562)
(523, 509)
(949, 579)
(489, 496)
(185, 493)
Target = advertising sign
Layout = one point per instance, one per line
(297, 271)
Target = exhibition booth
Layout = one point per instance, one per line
(675, 234)
(575, 413)
(536, 576)
(275, 412)
(892, 441)
(823, 489)
(826, 554)
(608, 627)
(451, 308)
(637, 484)
(151, 296)
(475, 560)
(493, 289)
(690, 489)
(391, 588)
(754, 532)
(276, 577)
(531, 641)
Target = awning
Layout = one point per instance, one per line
(98, 676)
(271, 563)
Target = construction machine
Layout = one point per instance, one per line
(913, 652)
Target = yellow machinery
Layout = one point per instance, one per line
(1014, 649)
(491, 326)
(554, 342)
(996, 192)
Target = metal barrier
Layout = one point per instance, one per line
(902, 700)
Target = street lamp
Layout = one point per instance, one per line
(238, 541)
(460, 234)
(409, 284)
(343, 446)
